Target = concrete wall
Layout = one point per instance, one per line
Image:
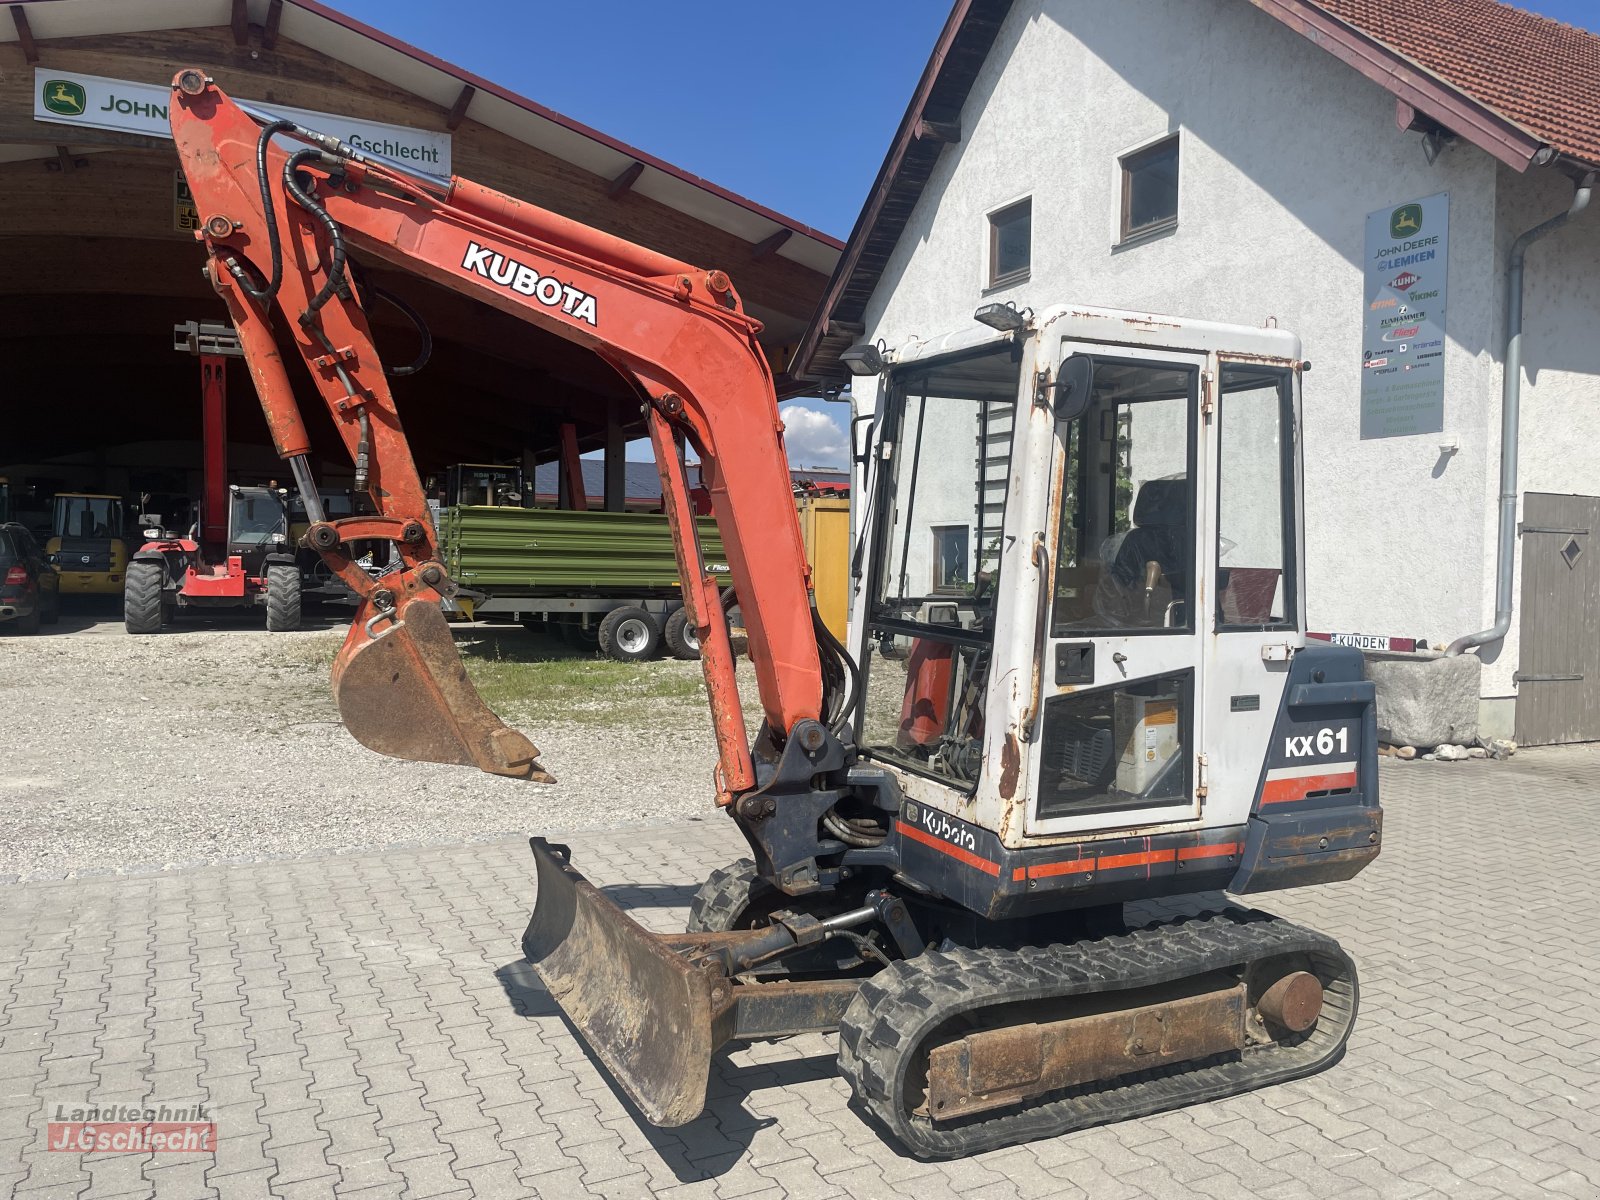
(1284, 150)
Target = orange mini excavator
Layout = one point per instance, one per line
(1077, 675)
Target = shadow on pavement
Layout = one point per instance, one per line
(711, 1144)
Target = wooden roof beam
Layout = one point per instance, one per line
(240, 23)
(769, 246)
(938, 131)
(624, 182)
(30, 48)
(269, 31)
(458, 110)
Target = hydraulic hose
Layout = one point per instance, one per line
(336, 257)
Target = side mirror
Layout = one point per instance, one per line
(1073, 384)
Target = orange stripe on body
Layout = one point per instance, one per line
(955, 852)
(1217, 851)
(1144, 858)
(1280, 791)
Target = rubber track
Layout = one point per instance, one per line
(906, 1002)
(722, 899)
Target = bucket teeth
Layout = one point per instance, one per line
(402, 690)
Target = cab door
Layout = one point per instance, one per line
(1121, 623)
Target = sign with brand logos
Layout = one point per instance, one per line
(1402, 390)
(72, 98)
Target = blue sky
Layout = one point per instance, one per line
(791, 104)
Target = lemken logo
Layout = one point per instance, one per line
(65, 98)
(1405, 221)
(947, 830)
(525, 281)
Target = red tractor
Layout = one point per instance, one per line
(237, 554)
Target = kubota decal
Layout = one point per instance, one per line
(525, 281)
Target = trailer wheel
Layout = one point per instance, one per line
(629, 634)
(283, 598)
(682, 640)
(142, 602)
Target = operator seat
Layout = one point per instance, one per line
(1159, 534)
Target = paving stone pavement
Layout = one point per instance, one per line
(362, 1026)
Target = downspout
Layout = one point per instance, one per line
(1510, 414)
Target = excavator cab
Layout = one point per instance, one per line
(1098, 518)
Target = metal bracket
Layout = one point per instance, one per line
(207, 337)
(1519, 677)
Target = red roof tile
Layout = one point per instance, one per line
(1541, 74)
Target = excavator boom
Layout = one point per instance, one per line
(283, 211)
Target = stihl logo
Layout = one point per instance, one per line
(525, 281)
(946, 830)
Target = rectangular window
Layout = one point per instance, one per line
(1010, 243)
(938, 513)
(1254, 499)
(1120, 747)
(951, 557)
(1124, 558)
(1150, 190)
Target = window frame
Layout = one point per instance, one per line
(1288, 500)
(993, 218)
(1191, 533)
(1127, 163)
(948, 589)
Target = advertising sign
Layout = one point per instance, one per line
(72, 98)
(1402, 343)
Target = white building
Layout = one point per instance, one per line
(1219, 159)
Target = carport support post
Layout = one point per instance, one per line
(616, 462)
(214, 429)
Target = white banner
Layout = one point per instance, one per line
(72, 98)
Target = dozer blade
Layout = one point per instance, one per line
(647, 1011)
(402, 690)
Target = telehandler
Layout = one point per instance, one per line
(1077, 676)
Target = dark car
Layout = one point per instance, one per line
(30, 589)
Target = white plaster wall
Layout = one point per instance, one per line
(1284, 152)
(1559, 445)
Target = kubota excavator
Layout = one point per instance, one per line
(1077, 677)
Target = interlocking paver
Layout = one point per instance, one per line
(363, 1025)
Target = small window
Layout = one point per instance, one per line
(1150, 190)
(1255, 514)
(952, 552)
(1010, 243)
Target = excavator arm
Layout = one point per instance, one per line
(284, 208)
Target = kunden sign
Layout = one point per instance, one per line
(71, 98)
(1402, 344)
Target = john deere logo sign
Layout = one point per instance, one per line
(65, 98)
(1405, 221)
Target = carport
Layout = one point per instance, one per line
(98, 260)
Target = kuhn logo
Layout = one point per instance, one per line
(947, 830)
(525, 281)
(1405, 281)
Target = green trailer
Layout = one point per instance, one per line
(609, 576)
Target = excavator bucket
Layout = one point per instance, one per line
(648, 1011)
(402, 690)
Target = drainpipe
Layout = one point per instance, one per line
(1510, 405)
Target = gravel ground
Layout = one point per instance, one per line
(124, 753)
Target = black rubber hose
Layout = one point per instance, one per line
(265, 295)
(336, 257)
(366, 292)
(825, 638)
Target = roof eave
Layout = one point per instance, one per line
(1408, 81)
